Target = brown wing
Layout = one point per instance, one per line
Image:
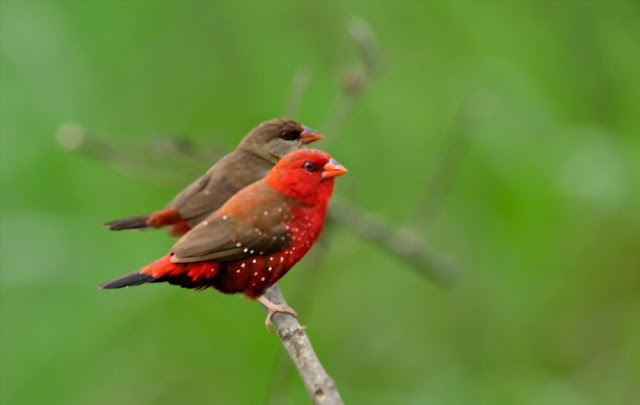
(224, 237)
(230, 174)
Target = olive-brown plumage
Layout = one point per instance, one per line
(255, 155)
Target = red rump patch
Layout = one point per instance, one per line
(164, 267)
(179, 229)
(164, 217)
(160, 268)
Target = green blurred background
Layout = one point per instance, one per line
(507, 137)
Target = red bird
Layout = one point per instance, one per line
(250, 242)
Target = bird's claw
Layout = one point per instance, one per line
(285, 309)
(274, 309)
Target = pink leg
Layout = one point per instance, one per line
(274, 309)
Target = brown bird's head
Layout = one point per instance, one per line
(276, 138)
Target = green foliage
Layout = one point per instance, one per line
(540, 212)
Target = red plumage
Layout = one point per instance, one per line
(256, 236)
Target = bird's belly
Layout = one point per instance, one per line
(254, 275)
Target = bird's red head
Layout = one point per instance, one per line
(306, 175)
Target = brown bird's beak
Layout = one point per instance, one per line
(333, 169)
(308, 135)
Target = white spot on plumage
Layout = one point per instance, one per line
(238, 244)
(238, 271)
(270, 268)
(225, 217)
(251, 251)
(266, 213)
(255, 274)
(271, 258)
(262, 279)
(254, 261)
(245, 250)
(243, 265)
(281, 259)
(205, 223)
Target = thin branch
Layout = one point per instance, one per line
(355, 79)
(318, 383)
(166, 160)
(465, 122)
(400, 244)
(299, 85)
(301, 295)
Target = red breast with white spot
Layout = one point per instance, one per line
(254, 275)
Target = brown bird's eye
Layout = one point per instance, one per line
(310, 166)
(289, 135)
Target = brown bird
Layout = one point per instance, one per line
(256, 154)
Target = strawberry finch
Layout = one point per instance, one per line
(254, 238)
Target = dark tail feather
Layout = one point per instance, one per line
(128, 223)
(127, 280)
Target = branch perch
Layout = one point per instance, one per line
(320, 386)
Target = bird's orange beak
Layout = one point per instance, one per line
(308, 135)
(333, 169)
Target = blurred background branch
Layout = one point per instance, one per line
(299, 85)
(355, 78)
(449, 158)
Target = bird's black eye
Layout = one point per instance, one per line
(309, 166)
(289, 135)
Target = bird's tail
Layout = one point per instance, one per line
(128, 223)
(188, 275)
(128, 280)
(153, 272)
(158, 219)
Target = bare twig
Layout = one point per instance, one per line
(356, 78)
(456, 142)
(165, 160)
(299, 85)
(402, 245)
(318, 383)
